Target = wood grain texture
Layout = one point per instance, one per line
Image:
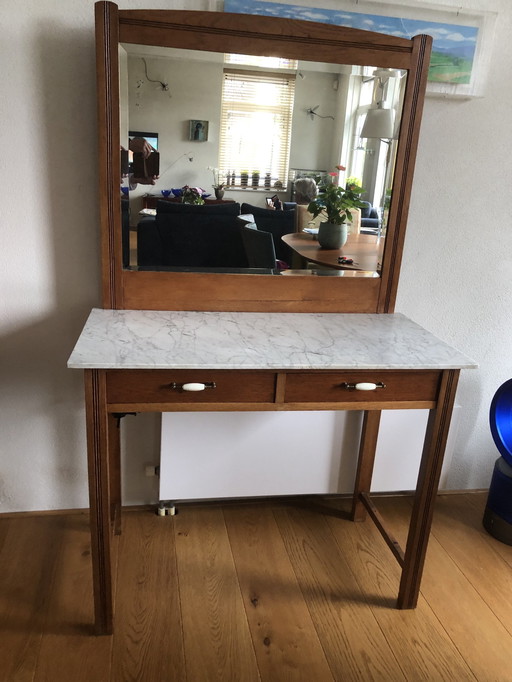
(27, 567)
(417, 637)
(329, 386)
(285, 640)
(97, 423)
(149, 639)
(69, 651)
(426, 490)
(412, 112)
(303, 556)
(365, 462)
(216, 637)
(485, 561)
(248, 293)
(342, 616)
(221, 27)
(455, 597)
(109, 169)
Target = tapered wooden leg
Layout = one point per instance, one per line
(114, 453)
(426, 491)
(369, 434)
(99, 497)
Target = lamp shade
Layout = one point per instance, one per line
(379, 123)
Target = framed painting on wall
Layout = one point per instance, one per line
(462, 40)
(198, 130)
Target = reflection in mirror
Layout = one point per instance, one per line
(264, 125)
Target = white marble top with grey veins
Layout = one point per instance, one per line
(145, 339)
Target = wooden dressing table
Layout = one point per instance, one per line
(147, 361)
(203, 341)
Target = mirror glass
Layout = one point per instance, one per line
(173, 98)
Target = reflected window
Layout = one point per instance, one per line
(255, 127)
(261, 61)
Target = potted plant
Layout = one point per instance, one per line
(218, 184)
(192, 195)
(334, 203)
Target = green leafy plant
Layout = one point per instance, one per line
(192, 195)
(335, 203)
(354, 184)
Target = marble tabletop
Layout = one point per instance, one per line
(142, 339)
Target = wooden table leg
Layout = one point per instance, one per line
(99, 497)
(369, 434)
(114, 454)
(426, 491)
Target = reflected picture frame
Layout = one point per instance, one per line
(198, 130)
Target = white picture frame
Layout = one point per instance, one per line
(462, 38)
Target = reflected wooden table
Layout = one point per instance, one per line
(365, 250)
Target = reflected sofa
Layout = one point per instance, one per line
(369, 219)
(186, 235)
(206, 236)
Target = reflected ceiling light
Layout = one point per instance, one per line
(379, 123)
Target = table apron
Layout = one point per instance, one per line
(267, 390)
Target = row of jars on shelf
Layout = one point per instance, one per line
(246, 179)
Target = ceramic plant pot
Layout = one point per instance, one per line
(332, 236)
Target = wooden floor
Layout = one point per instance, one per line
(273, 591)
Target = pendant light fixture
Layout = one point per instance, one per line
(380, 120)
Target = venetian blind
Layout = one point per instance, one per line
(256, 121)
(261, 61)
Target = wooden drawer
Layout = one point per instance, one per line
(316, 387)
(156, 386)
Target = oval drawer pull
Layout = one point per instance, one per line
(194, 386)
(363, 386)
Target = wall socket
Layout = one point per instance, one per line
(151, 470)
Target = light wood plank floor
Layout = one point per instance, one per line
(275, 591)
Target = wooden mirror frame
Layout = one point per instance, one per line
(248, 34)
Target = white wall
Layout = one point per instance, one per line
(194, 93)
(456, 277)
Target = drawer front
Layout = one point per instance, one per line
(165, 386)
(332, 386)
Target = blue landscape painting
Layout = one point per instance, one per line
(453, 48)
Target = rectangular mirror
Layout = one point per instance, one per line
(339, 77)
(272, 123)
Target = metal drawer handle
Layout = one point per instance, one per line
(363, 386)
(194, 386)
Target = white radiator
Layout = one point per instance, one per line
(249, 454)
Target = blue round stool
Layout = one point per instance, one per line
(498, 512)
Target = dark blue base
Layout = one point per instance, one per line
(498, 512)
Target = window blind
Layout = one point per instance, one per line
(256, 121)
(260, 61)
